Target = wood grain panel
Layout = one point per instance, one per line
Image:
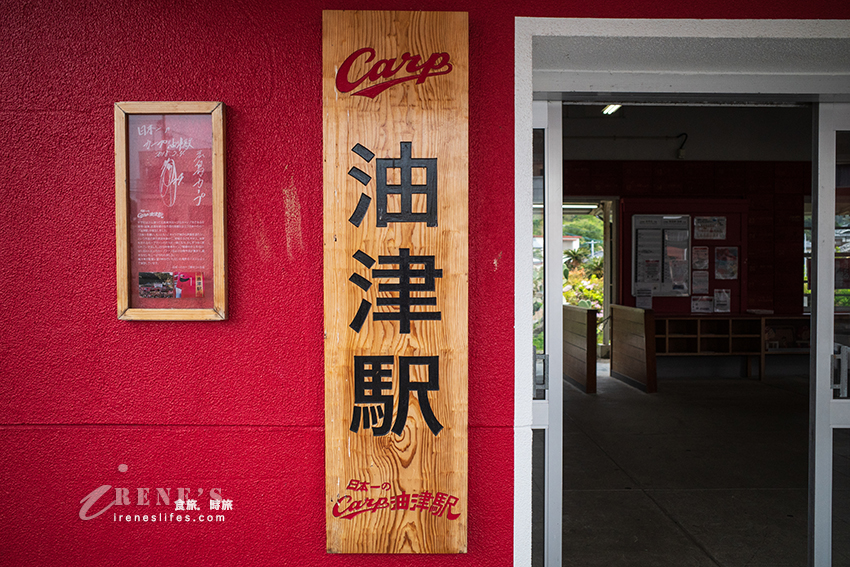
(579, 347)
(633, 345)
(431, 115)
(575, 336)
(635, 368)
(635, 339)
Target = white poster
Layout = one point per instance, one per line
(648, 271)
(722, 300)
(726, 263)
(643, 297)
(679, 275)
(700, 282)
(700, 257)
(709, 228)
(648, 256)
(702, 304)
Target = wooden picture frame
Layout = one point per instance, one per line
(170, 253)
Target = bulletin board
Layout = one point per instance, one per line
(661, 255)
(708, 235)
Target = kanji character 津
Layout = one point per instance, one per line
(404, 286)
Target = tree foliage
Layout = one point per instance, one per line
(587, 227)
(595, 267)
(575, 259)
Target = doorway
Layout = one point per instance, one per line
(589, 250)
(630, 53)
(710, 443)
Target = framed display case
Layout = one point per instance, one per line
(169, 211)
(661, 255)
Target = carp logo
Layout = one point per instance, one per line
(386, 69)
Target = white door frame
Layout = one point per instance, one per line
(722, 80)
(828, 413)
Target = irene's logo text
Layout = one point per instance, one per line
(143, 497)
(384, 70)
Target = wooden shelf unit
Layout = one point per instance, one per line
(731, 335)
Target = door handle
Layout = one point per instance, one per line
(840, 364)
(541, 380)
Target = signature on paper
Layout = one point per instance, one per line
(168, 182)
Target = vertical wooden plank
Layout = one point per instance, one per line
(219, 215)
(121, 225)
(590, 333)
(395, 82)
(649, 349)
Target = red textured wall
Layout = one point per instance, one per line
(234, 405)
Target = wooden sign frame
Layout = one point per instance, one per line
(396, 268)
(218, 309)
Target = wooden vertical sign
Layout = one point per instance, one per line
(395, 280)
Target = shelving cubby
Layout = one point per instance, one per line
(731, 335)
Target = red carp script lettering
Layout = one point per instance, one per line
(419, 70)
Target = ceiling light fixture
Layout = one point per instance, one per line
(611, 109)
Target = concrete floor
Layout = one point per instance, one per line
(703, 473)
